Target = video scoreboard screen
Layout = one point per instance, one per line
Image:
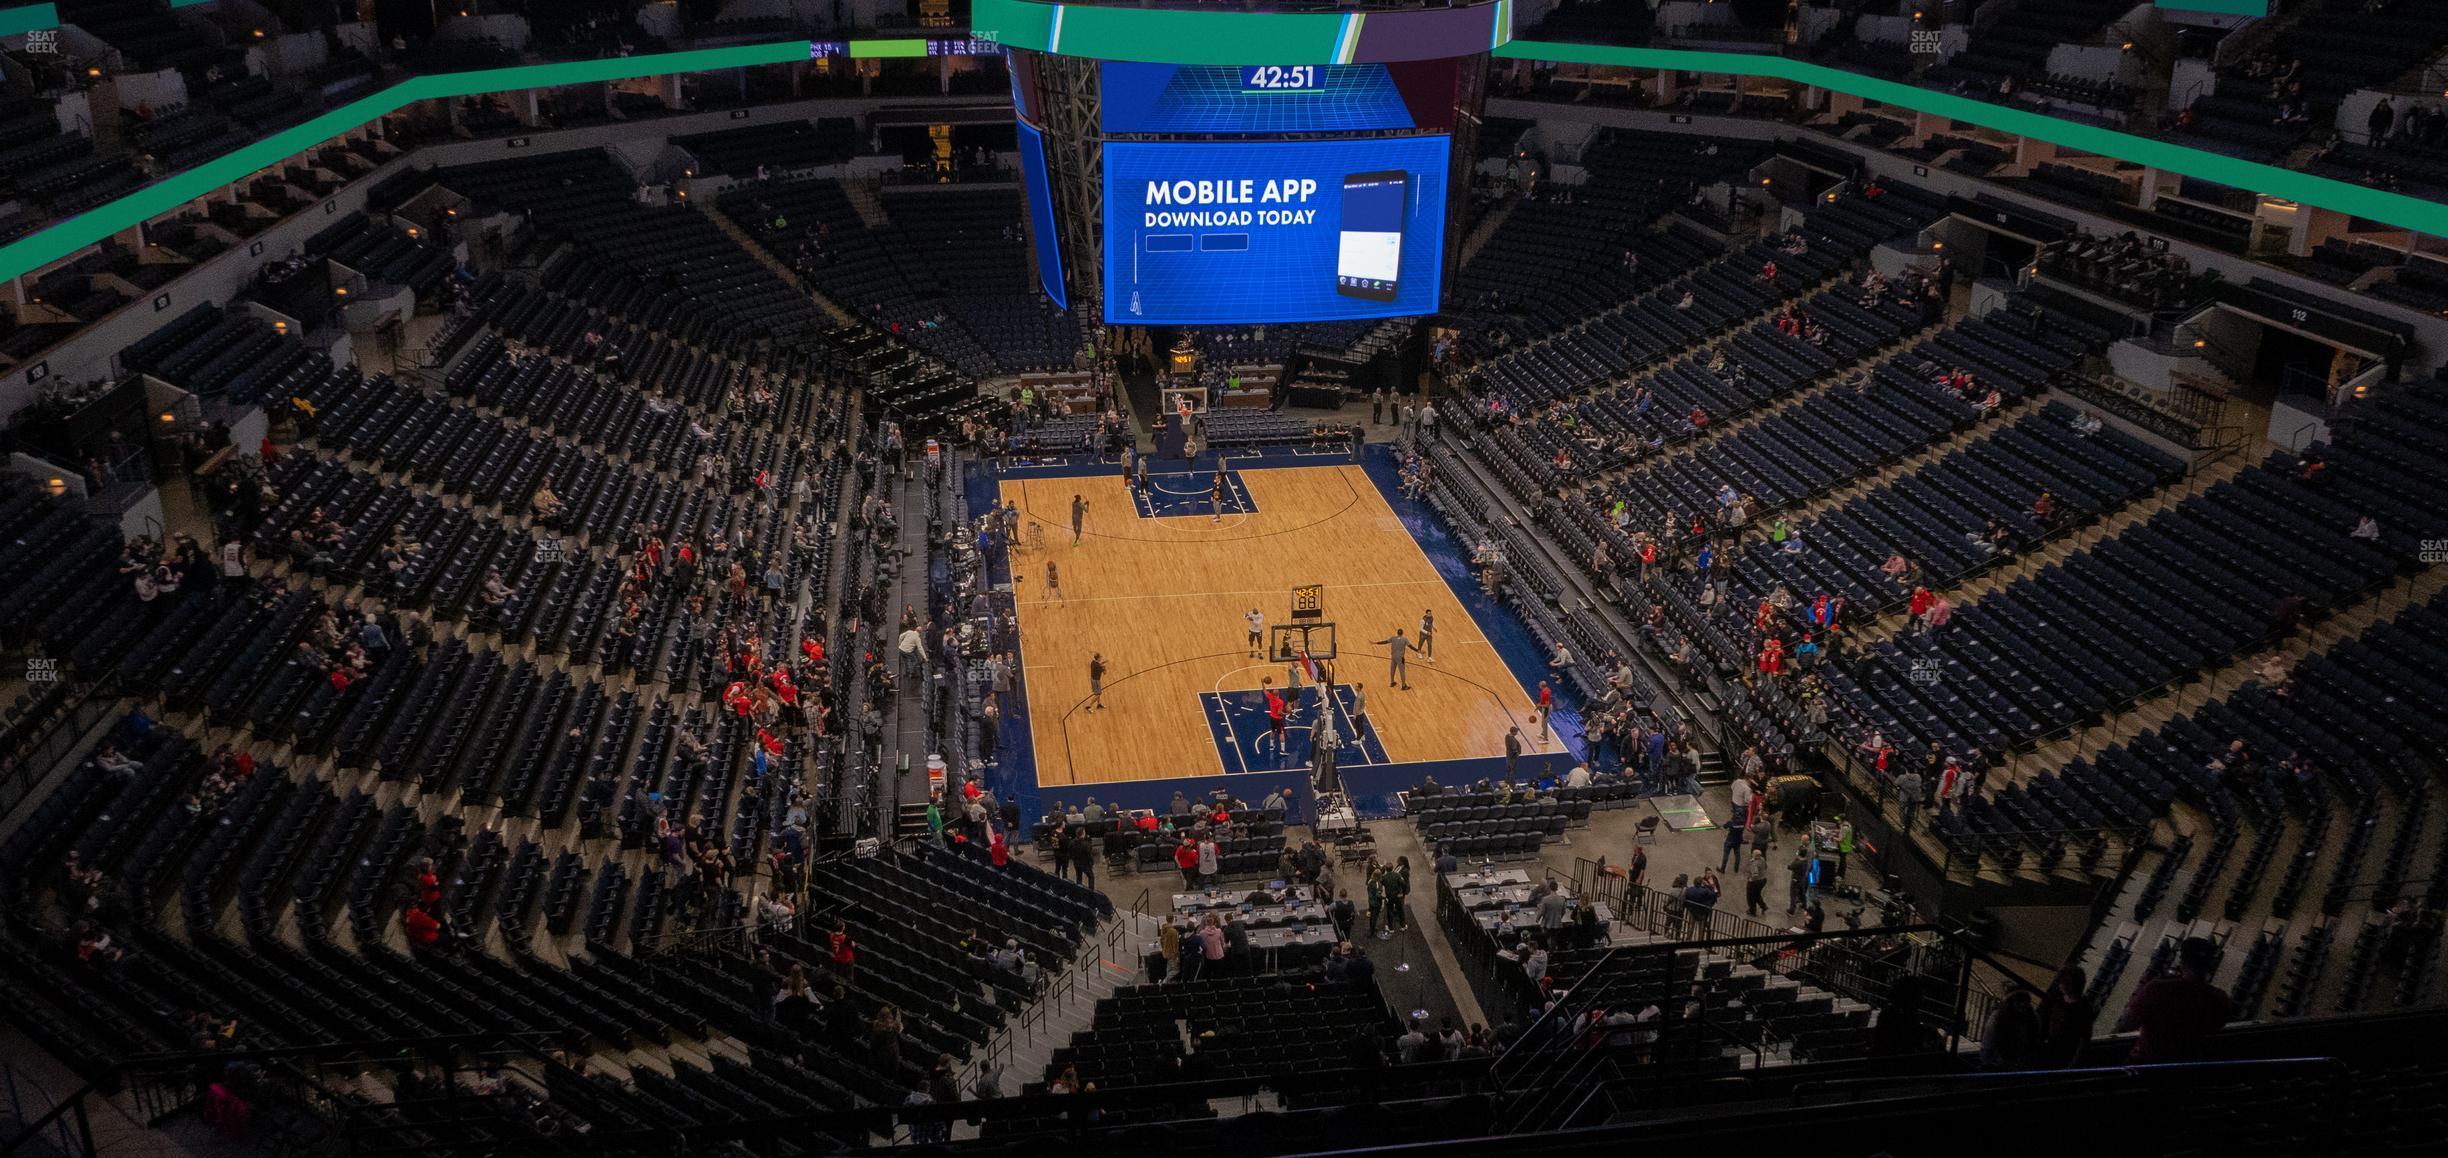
(1222, 232)
(1275, 98)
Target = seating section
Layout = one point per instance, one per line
(1621, 341)
(2015, 51)
(2218, 228)
(1835, 434)
(667, 268)
(2422, 284)
(2125, 271)
(465, 723)
(777, 147)
(385, 255)
(1476, 824)
(2260, 111)
(1938, 514)
(1708, 1008)
(2418, 169)
(2242, 119)
(209, 829)
(2340, 262)
(2103, 95)
(2023, 662)
(2323, 810)
(1558, 256)
(1236, 428)
(948, 269)
(220, 354)
(1252, 844)
(1233, 1027)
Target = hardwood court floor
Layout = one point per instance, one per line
(1164, 601)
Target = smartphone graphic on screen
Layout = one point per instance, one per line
(1369, 263)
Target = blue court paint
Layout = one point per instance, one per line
(1180, 494)
(1238, 723)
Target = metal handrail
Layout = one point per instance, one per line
(2331, 1065)
(65, 1121)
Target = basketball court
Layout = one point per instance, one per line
(1162, 590)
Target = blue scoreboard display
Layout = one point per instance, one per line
(1222, 232)
(1138, 97)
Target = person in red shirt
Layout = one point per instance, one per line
(1772, 657)
(736, 698)
(1920, 604)
(996, 850)
(788, 693)
(2177, 1013)
(423, 930)
(1275, 713)
(842, 950)
(814, 651)
(1185, 858)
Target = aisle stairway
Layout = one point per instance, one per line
(738, 236)
(1094, 977)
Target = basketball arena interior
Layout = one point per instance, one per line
(1222, 577)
